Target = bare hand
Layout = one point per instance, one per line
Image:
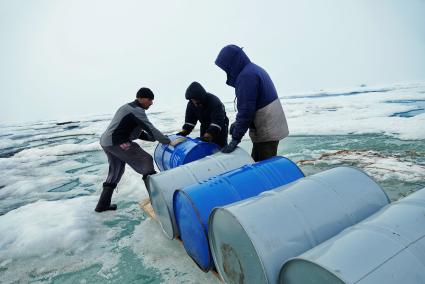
(177, 141)
(125, 146)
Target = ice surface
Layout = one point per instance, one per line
(59, 150)
(361, 113)
(51, 175)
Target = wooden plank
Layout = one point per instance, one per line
(146, 206)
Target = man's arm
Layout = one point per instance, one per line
(147, 126)
(246, 93)
(146, 136)
(218, 118)
(190, 119)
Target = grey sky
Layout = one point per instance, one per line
(64, 59)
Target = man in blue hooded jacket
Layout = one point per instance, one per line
(258, 105)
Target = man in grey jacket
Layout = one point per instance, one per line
(129, 123)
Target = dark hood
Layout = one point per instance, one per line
(232, 59)
(195, 91)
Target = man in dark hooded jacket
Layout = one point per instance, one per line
(258, 105)
(209, 111)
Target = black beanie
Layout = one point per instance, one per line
(145, 93)
(195, 91)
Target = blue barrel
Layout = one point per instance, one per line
(168, 157)
(193, 204)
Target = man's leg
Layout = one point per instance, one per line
(264, 150)
(254, 152)
(116, 170)
(136, 158)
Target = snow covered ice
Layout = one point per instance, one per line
(51, 175)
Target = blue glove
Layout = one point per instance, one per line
(231, 147)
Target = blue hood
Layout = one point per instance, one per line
(232, 59)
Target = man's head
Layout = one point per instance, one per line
(232, 59)
(145, 97)
(196, 94)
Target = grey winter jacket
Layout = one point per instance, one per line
(129, 123)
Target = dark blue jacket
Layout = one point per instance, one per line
(253, 87)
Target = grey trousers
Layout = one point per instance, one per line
(135, 157)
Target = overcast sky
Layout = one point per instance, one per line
(68, 58)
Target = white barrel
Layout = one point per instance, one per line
(388, 247)
(250, 240)
(162, 185)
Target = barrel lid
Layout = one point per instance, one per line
(158, 156)
(199, 150)
(162, 212)
(234, 254)
(297, 271)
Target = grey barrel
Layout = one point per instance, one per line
(388, 247)
(250, 240)
(162, 185)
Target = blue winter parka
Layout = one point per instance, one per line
(258, 105)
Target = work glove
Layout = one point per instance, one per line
(231, 147)
(184, 132)
(206, 138)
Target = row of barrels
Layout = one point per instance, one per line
(266, 222)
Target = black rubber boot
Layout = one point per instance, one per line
(104, 203)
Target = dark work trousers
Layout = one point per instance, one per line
(264, 150)
(135, 157)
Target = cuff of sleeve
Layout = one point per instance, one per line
(188, 127)
(236, 138)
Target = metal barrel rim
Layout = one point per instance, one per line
(387, 236)
(212, 243)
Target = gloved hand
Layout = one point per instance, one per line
(184, 132)
(206, 138)
(231, 147)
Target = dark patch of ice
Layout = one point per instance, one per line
(66, 187)
(326, 95)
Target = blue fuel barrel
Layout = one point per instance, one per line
(193, 204)
(168, 157)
